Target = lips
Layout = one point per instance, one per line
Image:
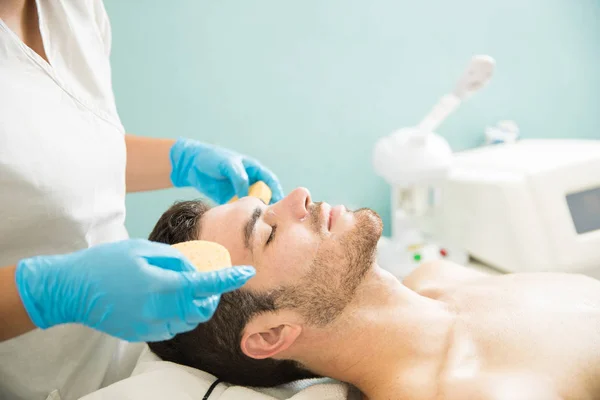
(334, 214)
(325, 214)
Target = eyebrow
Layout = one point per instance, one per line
(249, 227)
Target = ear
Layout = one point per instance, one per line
(265, 336)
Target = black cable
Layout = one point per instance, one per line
(210, 389)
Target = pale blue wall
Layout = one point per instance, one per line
(307, 86)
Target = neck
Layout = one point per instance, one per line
(21, 16)
(386, 329)
(12, 9)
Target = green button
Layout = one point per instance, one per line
(417, 257)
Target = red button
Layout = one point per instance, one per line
(443, 252)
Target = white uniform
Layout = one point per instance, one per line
(62, 184)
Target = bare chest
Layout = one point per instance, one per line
(548, 326)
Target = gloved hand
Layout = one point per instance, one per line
(136, 290)
(217, 172)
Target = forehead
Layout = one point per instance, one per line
(225, 225)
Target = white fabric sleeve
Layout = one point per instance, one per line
(103, 24)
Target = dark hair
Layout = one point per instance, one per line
(214, 346)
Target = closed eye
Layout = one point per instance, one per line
(272, 235)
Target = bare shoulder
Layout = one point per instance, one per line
(501, 386)
(440, 273)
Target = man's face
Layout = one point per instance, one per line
(313, 254)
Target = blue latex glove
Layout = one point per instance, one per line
(217, 172)
(136, 290)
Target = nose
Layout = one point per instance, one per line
(295, 204)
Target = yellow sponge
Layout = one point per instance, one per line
(259, 190)
(204, 255)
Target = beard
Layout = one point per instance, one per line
(335, 274)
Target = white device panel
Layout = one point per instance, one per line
(529, 206)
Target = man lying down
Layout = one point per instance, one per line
(319, 305)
